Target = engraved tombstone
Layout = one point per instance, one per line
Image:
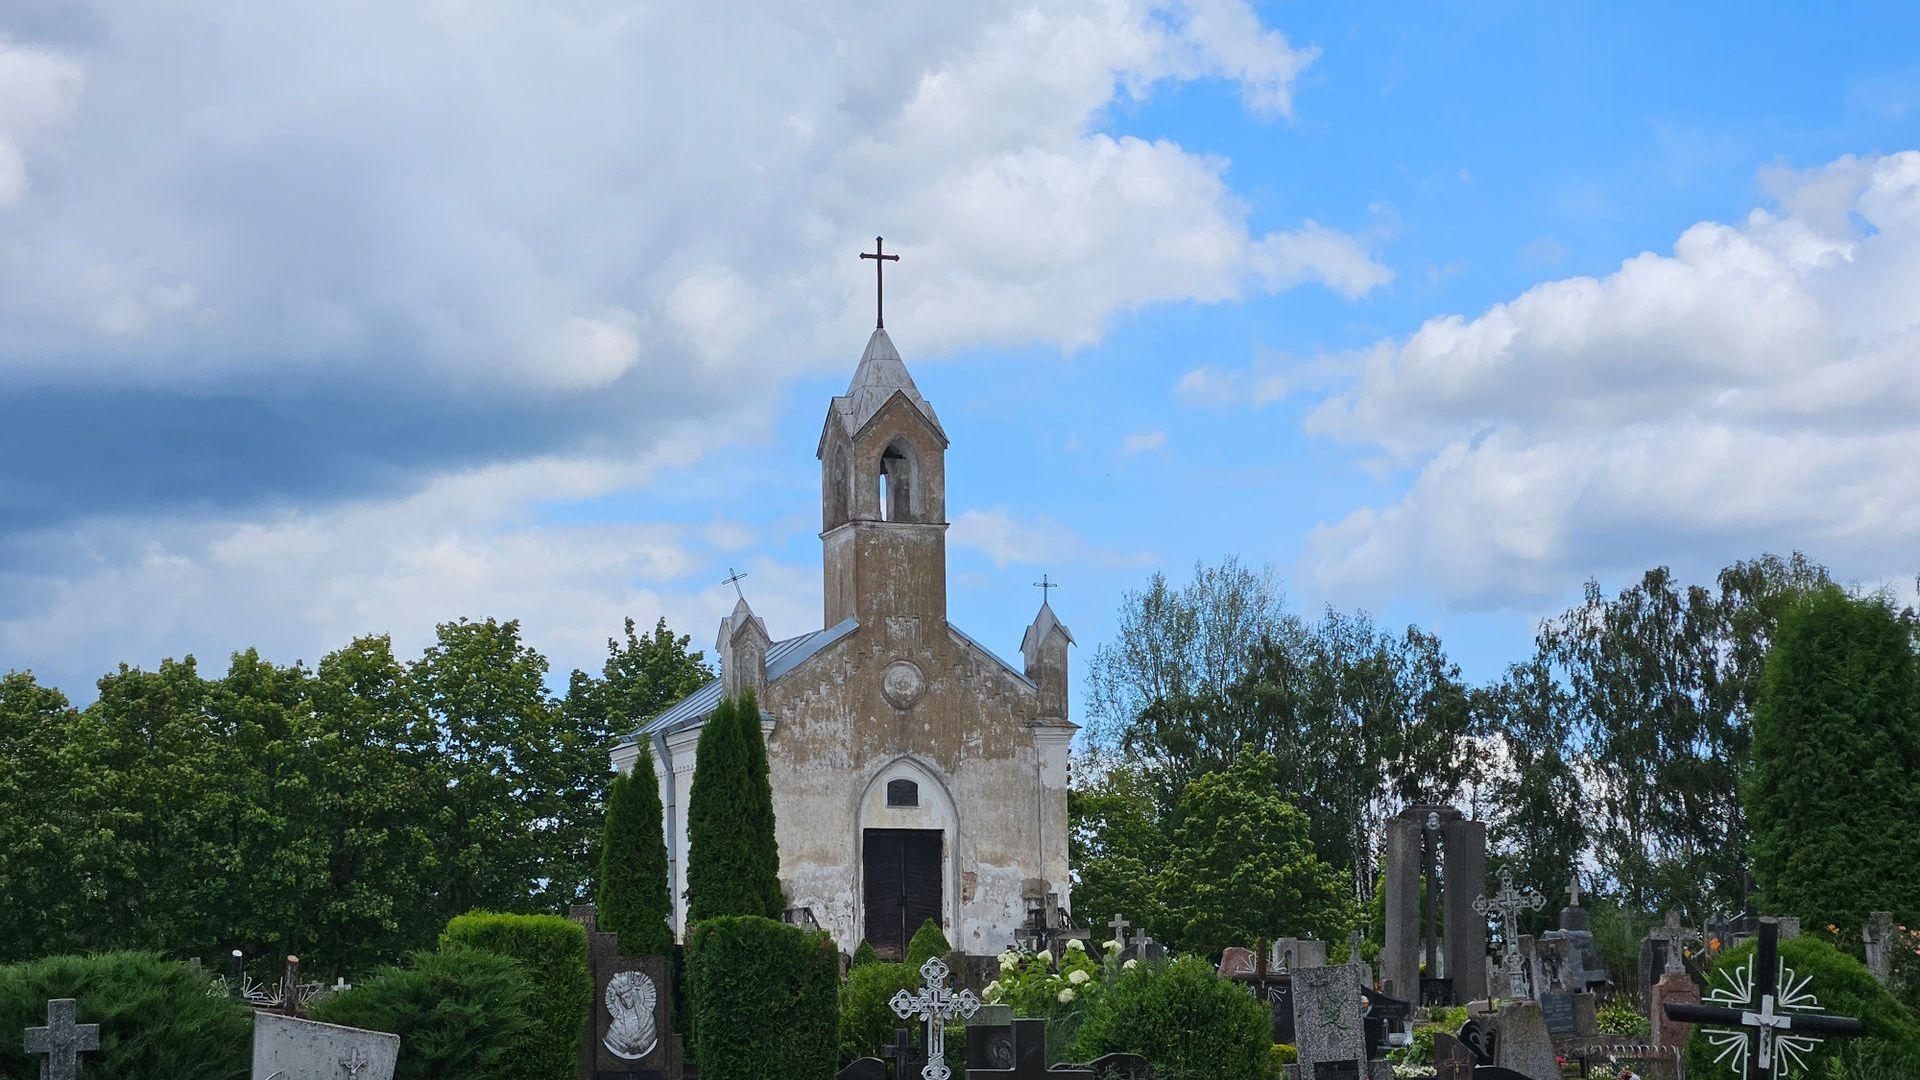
(289, 1048)
(1523, 1044)
(1329, 1031)
(631, 1034)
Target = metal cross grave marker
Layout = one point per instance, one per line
(935, 1004)
(62, 1041)
(880, 260)
(1769, 1018)
(1508, 903)
(900, 1051)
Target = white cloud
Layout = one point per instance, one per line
(1258, 386)
(1757, 388)
(1142, 441)
(530, 196)
(1041, 540)
(38, 90)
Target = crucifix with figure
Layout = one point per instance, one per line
(1508, 903)
(880, 260)
(62, 1041)
(934, 1005)
(1765, 1020)
(1675, 938)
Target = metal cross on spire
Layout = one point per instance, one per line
(1770, 1021)
(1507, 903)
(880, 259)
(1045, 585)
(935, 1004)
(733, 579)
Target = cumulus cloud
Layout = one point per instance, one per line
(1758, 387)
(38, 90)
(1142, 441)
(1004, 539)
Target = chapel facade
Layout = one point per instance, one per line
(915, 773)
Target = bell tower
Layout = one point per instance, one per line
(883, 495)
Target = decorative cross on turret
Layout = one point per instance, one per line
(62, 1041)
(1773, 1017)
(1045, 586)
(1676, 937)
(934, 1005)
(733, 579)
(1508, 903)
(880, 259)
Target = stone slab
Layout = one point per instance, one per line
(1676, 989)
(1523, 1044)
(289, 1048)
(1328, 1021)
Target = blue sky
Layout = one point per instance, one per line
(345, 318)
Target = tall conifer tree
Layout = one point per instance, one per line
(1835, 786)
(635, 901)
(733, 861)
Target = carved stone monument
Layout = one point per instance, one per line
(630, 1028)
(1436, 845)
(289, 1048)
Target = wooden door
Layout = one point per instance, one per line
(903, 885)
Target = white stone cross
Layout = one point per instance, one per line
(1675, 936)
(935, 1004)
(1119, 926)
(1507, 903)
(62, 1041)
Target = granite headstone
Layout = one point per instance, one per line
(289, 1048)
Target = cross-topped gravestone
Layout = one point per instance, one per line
(1030, 1058)
(1118, 924)
(1768, 1017)
(1676, 937)
(1507, 904)
(901, 1051)
(934, 1005)
(62, 1041)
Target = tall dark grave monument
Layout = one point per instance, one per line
(1438, 847)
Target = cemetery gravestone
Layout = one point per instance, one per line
(1507, 904)
(934, 1006)
(1557, 1009)
(629, 1035)
(1329, 1027)
(1673, 989)
(1451, 1058)
(1877, 935)
(289, 1048)
(1117, 1067)
(1290, 953)
(1523, 1044)
(906, 1058)
(1437, 846)
(61, 1042)
(1765, 1019)
(990, 1038)
(863, 1069)
(1029, 1059)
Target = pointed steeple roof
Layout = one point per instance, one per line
(880, 376)
(1044, 623)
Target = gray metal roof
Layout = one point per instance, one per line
(881, 375)
(782, 657)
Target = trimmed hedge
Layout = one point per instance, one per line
(1186, 1019)
(765, 1000)
(863, 956)
(866, 1020)
(156, 1020)
(1844, 988)
(461, 1014)
(635, 901)
(927, 943)
(553, 952)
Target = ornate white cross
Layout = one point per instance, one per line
(1507, 903)
(935, 1004)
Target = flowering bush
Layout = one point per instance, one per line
(1034, 986)
(1620, 1017)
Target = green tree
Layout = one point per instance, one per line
(1116, 845)
(635, 900)
(1537, 805)
(1242, 866)
(1663, 679)
(1834, 790)
(641, 676)
(39, 908)
(492, 758)
(928, 943)
(733, 858)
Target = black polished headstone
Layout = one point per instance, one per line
(1280, 1002)
(1558, 1010)
(863, 1069)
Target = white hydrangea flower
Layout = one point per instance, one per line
(1111, 946)
(1066, 995)
(1130, 965)
(1076, 945)
(1078, 978)
(992, 992)
(1009, 960)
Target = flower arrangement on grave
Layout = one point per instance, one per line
(1033, 985)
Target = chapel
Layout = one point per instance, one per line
(916, 774)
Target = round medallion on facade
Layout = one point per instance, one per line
(903, 684)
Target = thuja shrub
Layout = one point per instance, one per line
(1843, 986)
(553, 953)
(765, 1000)
(156, 1020)
(928, 943)
(1185, 1018)
(461, 1014)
